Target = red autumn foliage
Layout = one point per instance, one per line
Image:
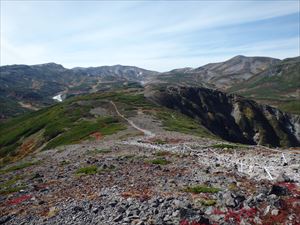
(289, 206)
(18, 200)
(96, 135)
(237, 215)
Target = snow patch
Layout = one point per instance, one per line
(58, 98)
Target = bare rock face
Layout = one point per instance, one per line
(232, 117)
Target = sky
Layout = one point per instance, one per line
(156, 35)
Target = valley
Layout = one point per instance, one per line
(266, 80)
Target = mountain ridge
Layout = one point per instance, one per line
(24, 88)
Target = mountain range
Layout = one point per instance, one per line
(268, 80)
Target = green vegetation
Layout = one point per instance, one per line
(160, 142)
(89, 170)
(65, 162)
(159, 161)
(82, 130)
(17, 167)
(9, 107)
(137, 100)
(209, 202)
(201, 189)
(277, 85)
(173, 121)
(11, 186)
(65, 123)
(291, 107)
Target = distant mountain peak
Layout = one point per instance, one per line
(239, 57)
(51, 65)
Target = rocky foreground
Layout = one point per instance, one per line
(173, 179)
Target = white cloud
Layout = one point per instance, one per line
(21, 54)
(155, 35)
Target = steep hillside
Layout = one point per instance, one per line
(279, 85)
(231, 117)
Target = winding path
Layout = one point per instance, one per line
(146, 132)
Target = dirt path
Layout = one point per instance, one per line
(146, 132)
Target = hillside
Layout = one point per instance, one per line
(197, 111)
(85, 117)
(232, 117)
(27, 88)
(279, 85)
(221, 75)
(267, 80)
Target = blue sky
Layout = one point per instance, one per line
(157, 35)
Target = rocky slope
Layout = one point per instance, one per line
(232, 117)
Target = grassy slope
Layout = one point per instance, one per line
(279, 90)
(10, 107)
(174, 121)
(70, 122)
(61, 124)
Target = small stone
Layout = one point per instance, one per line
(229, 200)
(278, 190)
(126, 220)
(118, 218)
(4, 219)
(77, 209)
(121, 210)
(275, 212)
(209, 210)
(95, 210)
(177, 204)
(267, 209)
(175, 213)
(203, 220)
(260, 197)
(282, 177)
(113, 203)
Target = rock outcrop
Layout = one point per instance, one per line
(232, 117)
